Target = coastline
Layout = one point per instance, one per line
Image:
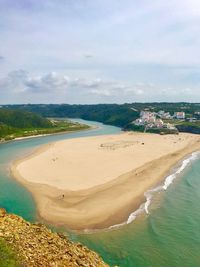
(102, 205)
(42, 135)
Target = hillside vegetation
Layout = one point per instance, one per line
(189, 127)
(19, 123)
(22, 119)
(118, 115)
(113, 114)
(34, 245)
(8, 257)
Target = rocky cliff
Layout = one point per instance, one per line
(36, 245)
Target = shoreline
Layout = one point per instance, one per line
(43, 135)
(143, 208)
(51, 208)
(173, 174)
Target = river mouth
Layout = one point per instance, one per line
(13, 196)
(168, 236)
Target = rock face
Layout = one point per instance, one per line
(36, 245)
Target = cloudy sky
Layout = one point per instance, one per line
(99, 51)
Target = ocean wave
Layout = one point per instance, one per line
(170, 178)
(144, 207)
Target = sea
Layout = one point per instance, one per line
(163, 232)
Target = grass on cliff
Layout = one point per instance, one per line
(19, 123)
(7, 256)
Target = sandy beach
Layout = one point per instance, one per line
(96, 182)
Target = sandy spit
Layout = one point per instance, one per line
(96, 182)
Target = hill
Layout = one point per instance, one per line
(18, 123)
(113, 114)
(22, 119)
(34, 245)
(120, 115)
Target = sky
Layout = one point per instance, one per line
(99, 51)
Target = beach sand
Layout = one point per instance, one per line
(96, 182)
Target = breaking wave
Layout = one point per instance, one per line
(144, 207)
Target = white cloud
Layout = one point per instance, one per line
(58, 87)
(104, 92)
(120, 41)
(22, 87)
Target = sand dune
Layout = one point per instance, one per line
(95, 182)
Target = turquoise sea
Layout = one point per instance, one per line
(168, 236)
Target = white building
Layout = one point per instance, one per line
(164, 115)
(147, 114)
(179, 115)
(139, 122)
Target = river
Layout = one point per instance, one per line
(168, 236)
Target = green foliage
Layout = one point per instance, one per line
(162, 131)
(141, 128)
(133, 127)
(186, 126)
(190, 127)
(118, 115)
(5, 129)
(22, 119)
(55, 110)
(7, 257)
(18, 123)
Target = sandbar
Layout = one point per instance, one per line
(96, 182)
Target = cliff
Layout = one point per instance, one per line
(36, 245)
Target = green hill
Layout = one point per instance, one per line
(117, 114)
(113, 114)
(19, 123)
(22, 119)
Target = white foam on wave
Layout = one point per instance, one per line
(170, 178)
(144, 207)
(149, 196)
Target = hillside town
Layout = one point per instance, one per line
(158, 120)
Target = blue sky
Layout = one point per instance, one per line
(100, 51)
